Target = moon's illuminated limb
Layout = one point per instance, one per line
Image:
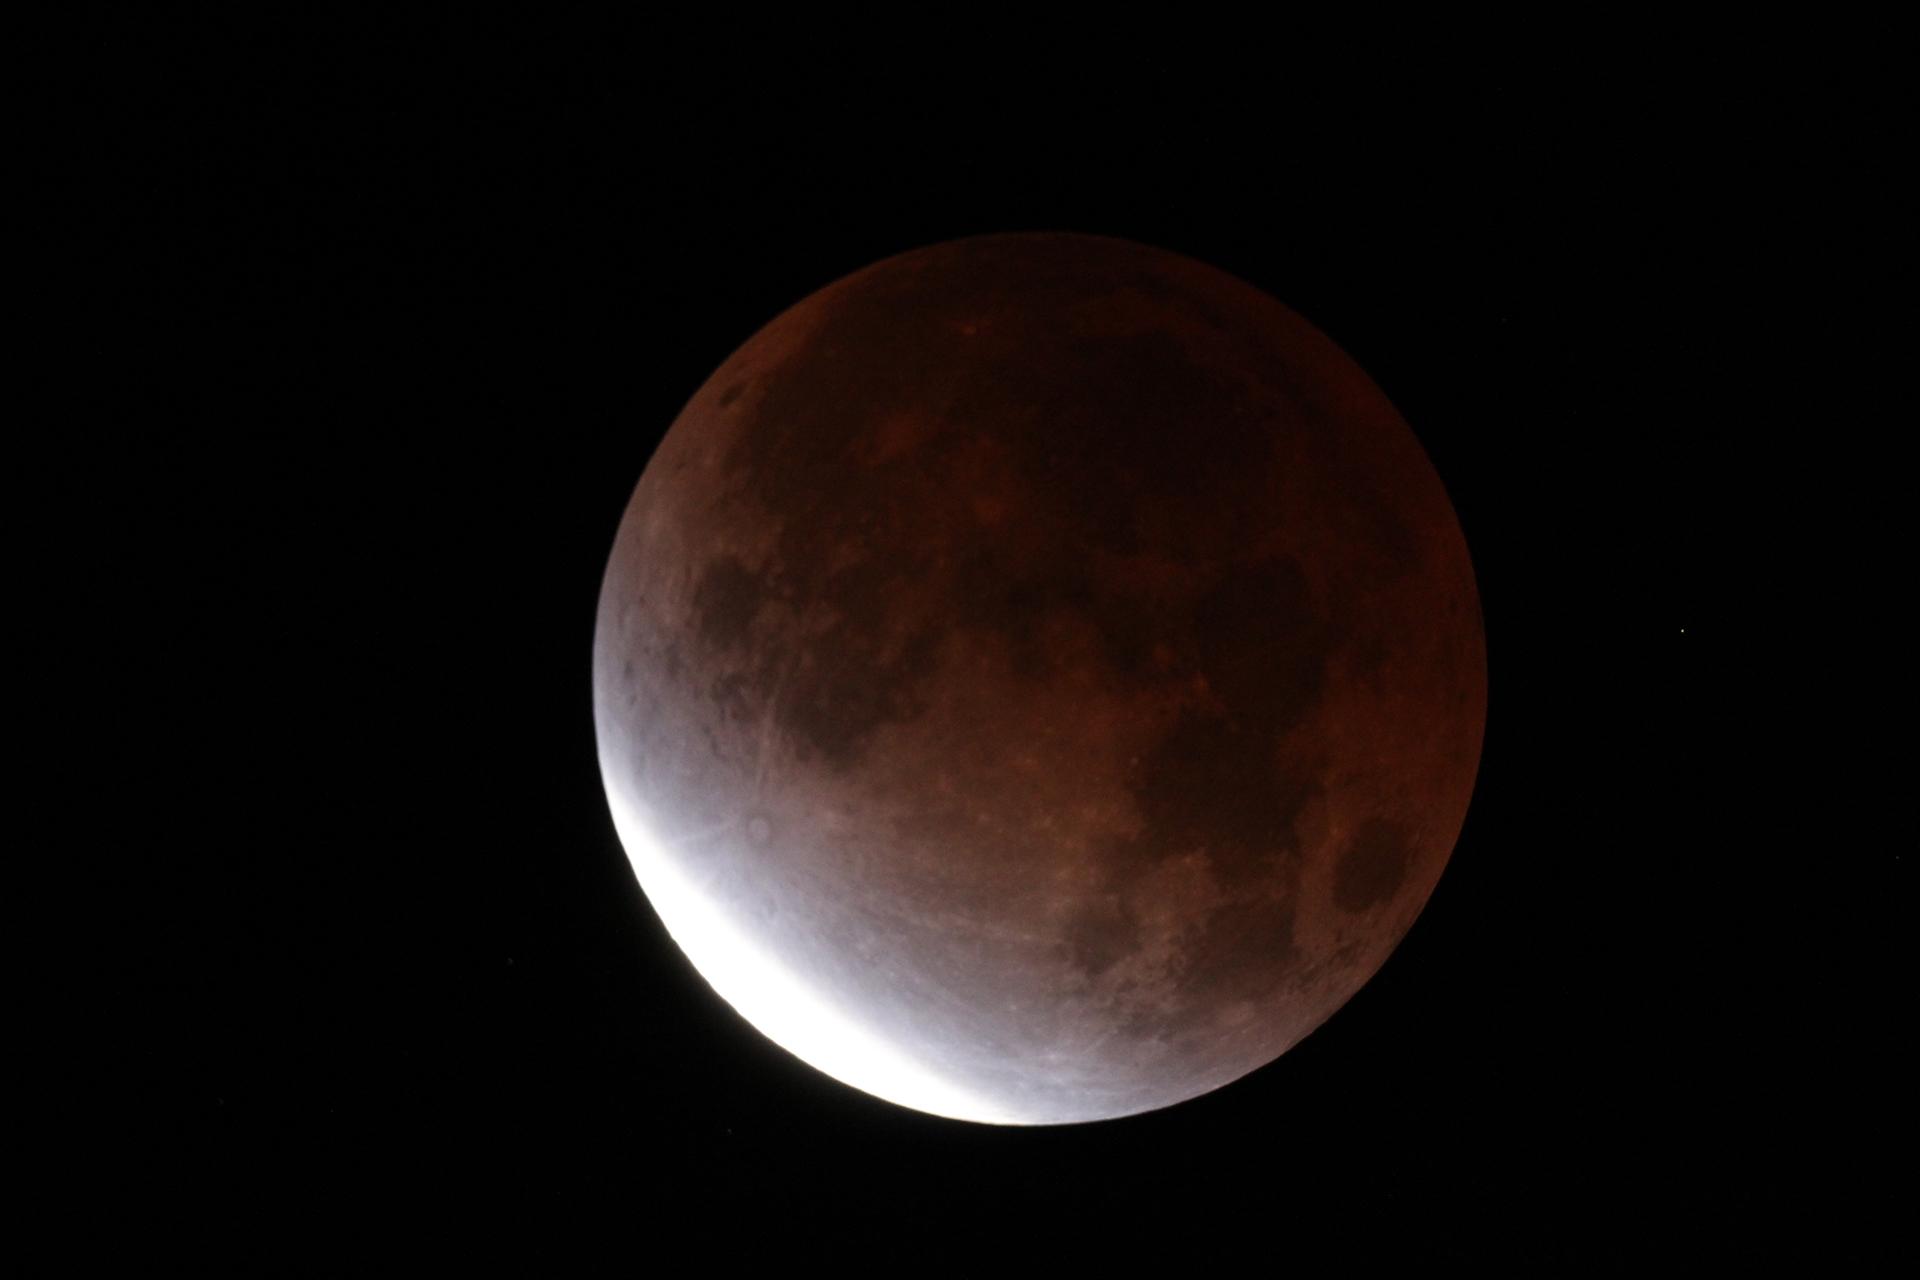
(780, 1006)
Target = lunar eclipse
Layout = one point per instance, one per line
(1039, 679)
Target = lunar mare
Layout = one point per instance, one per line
(1039, 679)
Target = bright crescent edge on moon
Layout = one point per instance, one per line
(779, 1006)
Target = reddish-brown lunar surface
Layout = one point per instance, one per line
(1039, 678)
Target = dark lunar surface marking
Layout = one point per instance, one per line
(1372, 868)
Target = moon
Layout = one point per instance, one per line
(1039, 679)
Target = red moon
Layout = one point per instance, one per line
(1039, 678)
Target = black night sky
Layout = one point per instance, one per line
(401, 335)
